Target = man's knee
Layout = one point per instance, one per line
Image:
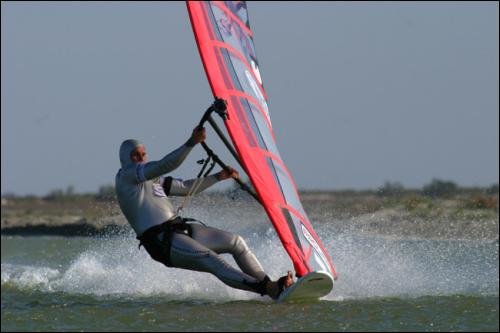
(240, 246)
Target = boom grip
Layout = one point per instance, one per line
(207, 116)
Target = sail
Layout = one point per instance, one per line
(225, 43)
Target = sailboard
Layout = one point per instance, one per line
(226, 46)
(310, 286)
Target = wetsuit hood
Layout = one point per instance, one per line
(126, 148)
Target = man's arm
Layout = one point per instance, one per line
(178, 187)
(171, 161)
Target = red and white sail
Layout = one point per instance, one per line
(225, 43)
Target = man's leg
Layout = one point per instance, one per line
(187, 253)
(221, 241)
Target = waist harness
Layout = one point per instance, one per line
(157, 240)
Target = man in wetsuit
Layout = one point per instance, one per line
(143, 190)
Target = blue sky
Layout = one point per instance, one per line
(360, 92)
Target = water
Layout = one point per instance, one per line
(385, 283)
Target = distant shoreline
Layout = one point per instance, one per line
(466, 215)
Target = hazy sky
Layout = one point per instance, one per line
(360, 93)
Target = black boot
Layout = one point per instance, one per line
(268, 287)
(275, 288)
(259, 287)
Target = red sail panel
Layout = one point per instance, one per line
(225, 43)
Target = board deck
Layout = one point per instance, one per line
(311, 286)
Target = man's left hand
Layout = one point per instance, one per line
(228, 173)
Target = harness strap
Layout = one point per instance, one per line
(197, 183)
(159, 249)
(175, 224)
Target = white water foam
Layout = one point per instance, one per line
(367, 266)
(115, 266)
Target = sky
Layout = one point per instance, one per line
(360, 93)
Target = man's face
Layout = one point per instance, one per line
(138, 155)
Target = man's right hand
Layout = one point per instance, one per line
(199, 134)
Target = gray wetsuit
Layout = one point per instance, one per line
(142, 193)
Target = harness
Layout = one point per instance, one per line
(157, 240)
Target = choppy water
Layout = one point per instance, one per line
(385, 284)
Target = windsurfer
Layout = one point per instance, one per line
(143, 190)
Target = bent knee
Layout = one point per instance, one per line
(239, 245)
